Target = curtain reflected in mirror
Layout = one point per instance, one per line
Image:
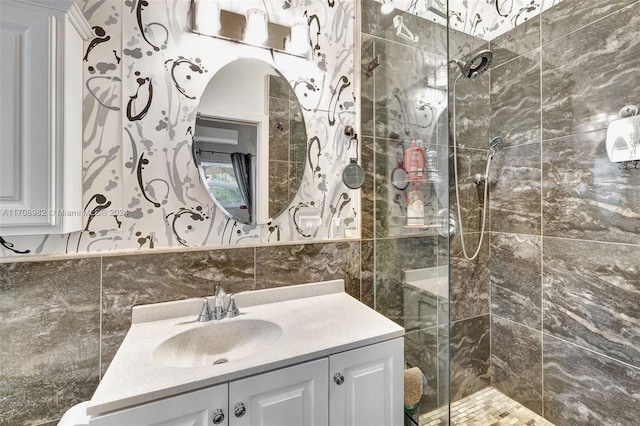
(242, 169)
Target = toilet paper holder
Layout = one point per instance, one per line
(623, 137)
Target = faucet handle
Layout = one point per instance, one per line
(232, 309)
(219, 310)
(205, 312)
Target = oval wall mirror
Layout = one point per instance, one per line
(250, 141)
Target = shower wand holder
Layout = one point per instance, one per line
(479, 179)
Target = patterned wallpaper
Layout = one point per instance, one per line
(144, 74)
(490, 18)
(486, 19)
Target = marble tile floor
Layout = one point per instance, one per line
(487, 407)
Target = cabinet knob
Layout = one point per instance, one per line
(218, 417)
(338, 378)
(240, 409)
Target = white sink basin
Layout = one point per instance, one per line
(217, 342)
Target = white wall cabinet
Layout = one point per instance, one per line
(361, 387)
(41, 116)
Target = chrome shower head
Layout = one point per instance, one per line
(496, 145)
(477, 65)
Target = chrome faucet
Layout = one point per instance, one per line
(220, 310)
(218, 304)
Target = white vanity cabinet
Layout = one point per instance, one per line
(360, 387)
(41, 116)
(301, 355)
(198, 408)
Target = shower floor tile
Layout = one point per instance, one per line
(488, 407)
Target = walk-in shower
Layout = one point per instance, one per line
(522, 333)
(472, 68)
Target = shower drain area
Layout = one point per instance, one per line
(488, 407)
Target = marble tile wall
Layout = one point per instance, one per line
(49, 338)
(61, 322)
(596, 66)
(565, 244)
(469, 356)
(586, 388)
(588, 197)
(519, 371)
(591, 295)
(516, 290)
(469, 280)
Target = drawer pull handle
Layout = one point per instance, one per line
(240, 409)
(218, 417)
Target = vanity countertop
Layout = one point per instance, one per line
(317, 320)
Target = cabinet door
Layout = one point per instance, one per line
(366, 386)
(40, 109)
(197, 408)
(293, 396)
(24, 114)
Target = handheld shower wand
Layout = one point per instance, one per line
(473, 68)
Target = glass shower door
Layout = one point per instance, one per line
(405, 153)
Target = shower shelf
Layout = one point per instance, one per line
(436, 180)
(422, 226)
